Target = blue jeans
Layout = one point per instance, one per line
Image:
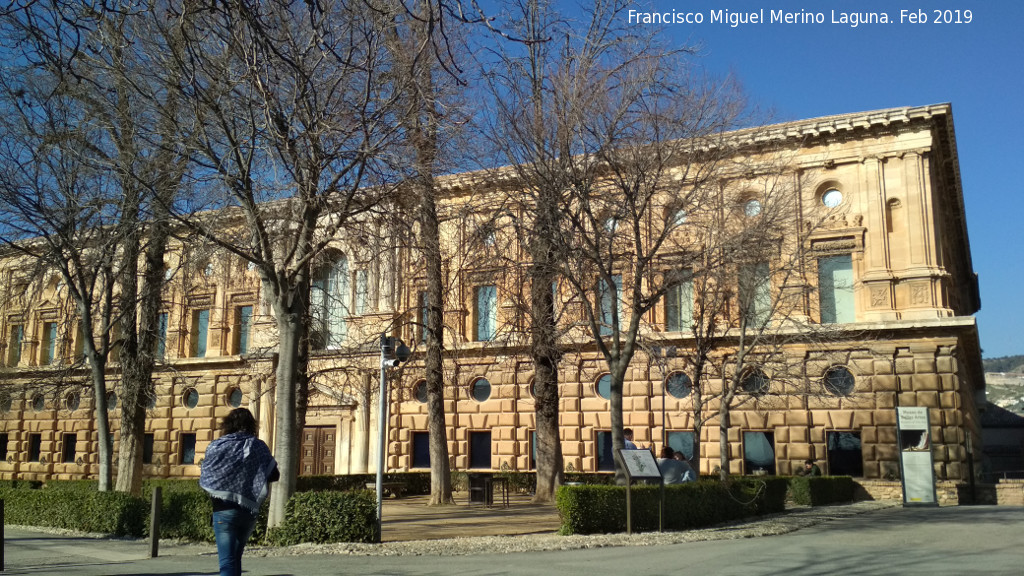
(232, 529)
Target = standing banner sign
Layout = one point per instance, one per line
(916, 463)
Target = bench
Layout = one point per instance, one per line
(396, 489)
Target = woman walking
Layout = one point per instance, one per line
(237, 471)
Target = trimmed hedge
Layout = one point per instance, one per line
(328, 517)
(105, 512)
(602, 509)
(821, 490)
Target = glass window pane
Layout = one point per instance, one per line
(759, 453)
(161, 335)
(681, 442)
(480, 450)
(679, 307)
(486, 312)
(835, 289)
(421, 450)
(604, 386)
(845, 457)
(605, 459)
(244, 322)
(678, 385)
(200, 327)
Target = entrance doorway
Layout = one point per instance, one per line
(318, 445)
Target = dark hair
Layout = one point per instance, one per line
(667, 452)
(238, 420)
(808, 461)
(627, 431)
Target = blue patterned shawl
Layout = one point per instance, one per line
(236, 468)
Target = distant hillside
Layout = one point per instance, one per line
(1004, 364)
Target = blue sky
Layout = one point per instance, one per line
(803, 71)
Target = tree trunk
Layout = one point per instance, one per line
(106, 440)
(440, 469)
(545, 354)
(286, 432)
(723, 440)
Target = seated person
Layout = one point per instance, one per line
(809, 469)
(674, 471)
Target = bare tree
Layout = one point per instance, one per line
(91, 162)
(291, 117)
(608, 131)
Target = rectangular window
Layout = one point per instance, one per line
(362, 291)
(35, 447)
(421, 449)
(605, 456)
(243, 321)
(4, 439)
(679, 307)
(147, 448)
(200, 327)
(79, 342)
(480, 450)
(844, 454)
(835, 289)
(611, 304)
(756, 294)
(17, 336)
(424, 312)
(48, 345)
(759, 453)
(188, 448)
(161, 335)
(682, 442)
(486, 312)
(70, 444)
(533, 449)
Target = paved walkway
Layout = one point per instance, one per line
(954, 540)
(410, 518)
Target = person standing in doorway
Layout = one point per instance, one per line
(236, 472)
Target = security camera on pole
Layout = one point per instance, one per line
(392, 353)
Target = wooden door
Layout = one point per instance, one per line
(318, 444)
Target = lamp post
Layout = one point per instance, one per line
(392, 353)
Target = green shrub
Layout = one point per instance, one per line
(821, 490)
(328, 517)
(601, 509)
(104, 512)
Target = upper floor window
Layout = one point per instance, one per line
(48, 343)
(200, 328)
(679, 306)
(330, 302)
(14, 342)
(832, 198)
(611, 303)
(424, 313)
(161, 335)
(486, 312)
(362, 304)
(835, 289)
(243, 322)
(755, 294)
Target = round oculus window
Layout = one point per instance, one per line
(38, 402)
(190, 398)
(604, 386)
(679, 385)
(111, 400)
(5, 402)
(755, 383)
(839, 381)
(832, 198)
(72, 401)
(235, 397)
(481, 390)
(419, 391)
(752, 208)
